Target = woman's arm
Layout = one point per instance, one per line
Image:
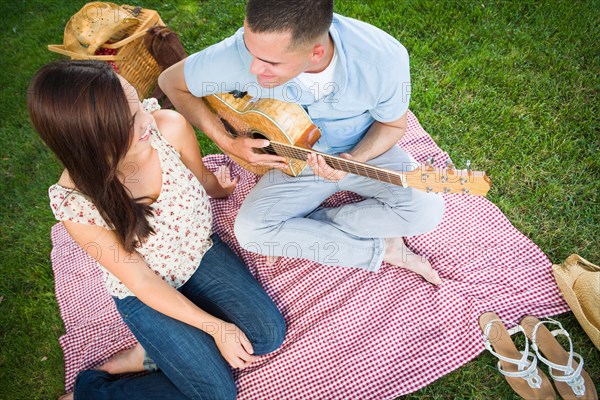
(130, 268)
(174, 127)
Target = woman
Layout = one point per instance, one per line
(134, 195)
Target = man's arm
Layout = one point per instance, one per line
(379, 138)
(172, 82)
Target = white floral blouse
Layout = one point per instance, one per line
(182, 219)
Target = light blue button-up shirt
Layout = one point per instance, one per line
(372, 81)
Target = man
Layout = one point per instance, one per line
(353, 80)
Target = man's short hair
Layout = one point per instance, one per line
(306, 20)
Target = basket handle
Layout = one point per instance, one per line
(123, 42)
(76, 56)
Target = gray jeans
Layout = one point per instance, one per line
(281, 216)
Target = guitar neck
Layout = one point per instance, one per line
(422, 177)
(353, 167)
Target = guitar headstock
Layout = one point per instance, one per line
(448, 180)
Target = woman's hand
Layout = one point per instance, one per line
(234, 346)
(223, 174)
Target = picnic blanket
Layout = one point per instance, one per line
(352, 334)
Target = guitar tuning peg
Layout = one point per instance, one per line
(430, 161)
(468, 165)
(449, 164)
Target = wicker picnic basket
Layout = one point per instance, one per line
(131, 58)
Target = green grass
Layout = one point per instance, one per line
(513, 86)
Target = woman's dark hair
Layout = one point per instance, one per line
(306, 20)
(81, 112)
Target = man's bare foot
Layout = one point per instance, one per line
(68, 396)
(130, 360)
(397, 253)
(271, 260)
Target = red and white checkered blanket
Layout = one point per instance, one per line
(351, 334)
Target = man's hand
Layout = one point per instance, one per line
(320, 167)
(243, 147)
(234, 346)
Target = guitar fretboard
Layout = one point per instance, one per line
(353, 167)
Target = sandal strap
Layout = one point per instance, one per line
(571, 376)
(530, 373)
(527, 370)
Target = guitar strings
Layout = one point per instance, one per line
(418, 178)
(340, 164)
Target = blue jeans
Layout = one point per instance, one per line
(280, 216)
(190, 364)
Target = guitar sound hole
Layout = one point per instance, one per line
(228, 127)
(263, 150)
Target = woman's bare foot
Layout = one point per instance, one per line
(68, 396)
(271, 260)
(397, 253)
(130, 360)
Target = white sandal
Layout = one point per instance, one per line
(518, 367)
(571, 381)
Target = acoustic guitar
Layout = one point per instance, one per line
(292, 134)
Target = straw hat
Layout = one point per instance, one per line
(579, 283)
(93, 25)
